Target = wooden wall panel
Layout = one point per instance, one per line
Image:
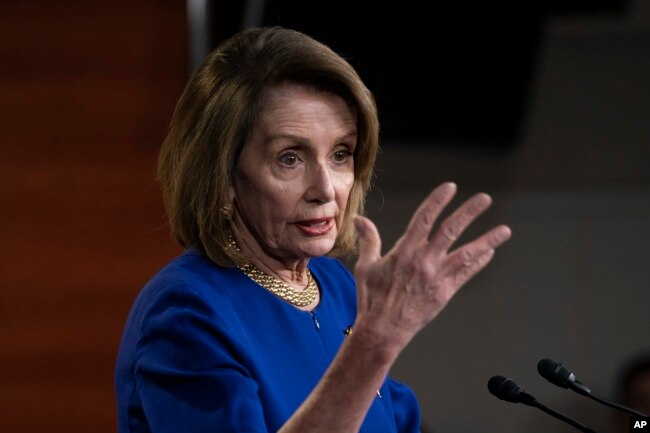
(86, 91)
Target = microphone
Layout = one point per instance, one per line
(559, 375)
(506, 389)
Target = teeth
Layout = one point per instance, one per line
(318, 224)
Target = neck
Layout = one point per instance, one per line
(292, 271)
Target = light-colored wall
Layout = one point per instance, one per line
(572, 284)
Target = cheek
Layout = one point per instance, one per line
(343, 190)
(280, 203)
(261, 191)
(275, 206)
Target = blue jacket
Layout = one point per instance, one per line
(206, 349)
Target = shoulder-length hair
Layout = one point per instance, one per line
(214, 117)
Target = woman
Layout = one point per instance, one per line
(264, 171)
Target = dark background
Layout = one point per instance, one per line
(449, 64)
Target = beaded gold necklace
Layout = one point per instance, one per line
(299, 298)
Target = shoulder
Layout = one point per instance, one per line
(192, 273)
(190, 284)
(330, 265)
(191, 267)
(328, 270)
(334, 279)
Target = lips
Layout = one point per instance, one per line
(315, 227)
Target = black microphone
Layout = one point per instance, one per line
(506, 389)
(559, 375)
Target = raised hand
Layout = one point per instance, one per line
(399, 293)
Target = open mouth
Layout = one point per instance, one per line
(316, 227)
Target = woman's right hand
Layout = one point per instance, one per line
(402, 291)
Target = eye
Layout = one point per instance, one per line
(342, 155)
(289, 159)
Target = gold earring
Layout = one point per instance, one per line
(227, 210)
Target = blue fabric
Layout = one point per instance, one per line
(205, 349)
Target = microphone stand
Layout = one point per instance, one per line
(564, 418)
(611, 404)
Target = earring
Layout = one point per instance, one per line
(227, 210)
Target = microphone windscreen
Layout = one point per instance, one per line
(554, 372)
(505, 389)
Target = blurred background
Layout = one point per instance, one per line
(546, 108)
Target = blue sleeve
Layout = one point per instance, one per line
(189, 377)
(405, 407)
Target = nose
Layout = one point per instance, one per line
(321, 188)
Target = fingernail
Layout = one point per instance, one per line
(503, 233)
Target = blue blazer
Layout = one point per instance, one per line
(206, 349)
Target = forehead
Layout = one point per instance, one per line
(296, 105)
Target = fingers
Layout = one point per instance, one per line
(470, 258)
(454, 226)
(463, 275)
(369, 243)
(425, 216)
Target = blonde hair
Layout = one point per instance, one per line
(214, 117)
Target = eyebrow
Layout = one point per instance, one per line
(303, 141)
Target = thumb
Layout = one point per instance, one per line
(369, 243)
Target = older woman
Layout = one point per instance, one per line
(253, 328)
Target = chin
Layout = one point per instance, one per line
(317, 247)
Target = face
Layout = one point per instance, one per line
(295, 172)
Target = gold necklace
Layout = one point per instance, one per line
(299, 298)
